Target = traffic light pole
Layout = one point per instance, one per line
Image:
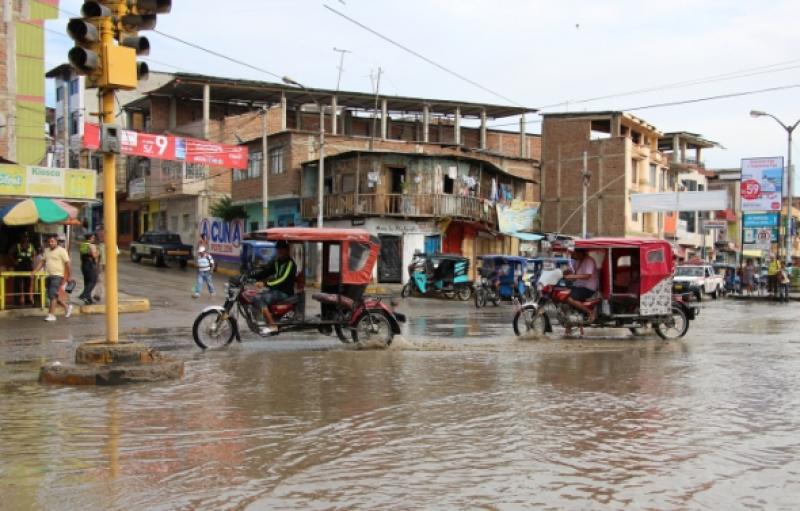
(110, 209)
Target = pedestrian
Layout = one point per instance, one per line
(99, 289)
(90, 255)
(23, 255)
(772, 276)
(205, 269)
(783, 283)
(748, 276)
(57, 269)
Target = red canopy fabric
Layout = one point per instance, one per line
(312, 234)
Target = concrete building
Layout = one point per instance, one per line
(77, 105)
(355, 125)
(622, 158)
(23, 137)
(687, 170)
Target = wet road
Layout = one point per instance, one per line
(457, 414)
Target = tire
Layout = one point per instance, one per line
(698, 295)
(464, 293)
(480, 297)
(637, 332)
(184, 263)
(406, 292)
(449, 294)
(715, 294)
(341, 335)
(527, 321)
(373, 327)
(159, 261)
(495, 300)
(678, 328)
(205, 338)
(134, 256)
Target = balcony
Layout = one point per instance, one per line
(403, 206)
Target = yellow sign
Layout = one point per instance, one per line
(33, 181)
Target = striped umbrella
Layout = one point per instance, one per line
(37, 210)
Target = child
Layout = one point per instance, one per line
(205, 267)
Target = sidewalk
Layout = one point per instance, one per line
(127, 304)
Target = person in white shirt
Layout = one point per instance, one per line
(586, 280)
(205, 269)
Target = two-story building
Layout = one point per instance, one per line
(622, 158)
(430, 181)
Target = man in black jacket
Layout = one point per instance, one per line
(278, 276)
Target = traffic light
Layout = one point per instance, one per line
(106, 64)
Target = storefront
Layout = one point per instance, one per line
(34, 202)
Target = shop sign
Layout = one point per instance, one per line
(224, 238)
(137, 188)
(760, 219)
(35, 181)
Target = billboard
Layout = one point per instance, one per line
(762, 184)
(760, 220)
(35, 181)
(224, 238)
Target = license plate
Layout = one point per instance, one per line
(177, 252)
(678, 286)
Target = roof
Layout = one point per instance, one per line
(62, 70)
(259, 93)
(601, 114)
(693, 140)
(619, 242)
(518, 259)
(312, 234)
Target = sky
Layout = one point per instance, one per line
(533, 53)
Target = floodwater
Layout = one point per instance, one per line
(457, 414)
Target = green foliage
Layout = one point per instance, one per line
(226, 210)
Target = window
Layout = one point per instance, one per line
(73, 87)
(173, 222)
(124, 221)
(653, 175)
(333, 258)
(60, 93)
(276, 161)
(73, 123)
(187, 223)
(655, 256)
(253, 226)
(634, 171)
(254, 164)
(239, 174)
(359, 253)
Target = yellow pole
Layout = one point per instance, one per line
(110, 208)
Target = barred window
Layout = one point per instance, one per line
(254, 163)
(276, 161)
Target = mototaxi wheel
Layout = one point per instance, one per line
(480, 297)
(528, 321)
(210, 330)
(341, 335)
(406, 291)
(134, 256)
(675, 326)
(464, 293)
(373, 329)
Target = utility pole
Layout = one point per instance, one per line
(376, 82)
(341, 65)
(321, 173)
(586, 177)
(264, 167)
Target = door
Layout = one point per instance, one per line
(390, 262)
(136, 226)
(433, 244)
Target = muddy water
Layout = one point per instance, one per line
(457, 415)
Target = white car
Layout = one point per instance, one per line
(699, 280)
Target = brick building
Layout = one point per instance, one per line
(623, 159)
(231, 111)
(23, 137)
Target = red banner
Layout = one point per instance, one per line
(163, 147)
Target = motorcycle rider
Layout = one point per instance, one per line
(278, 276)
(586, 280)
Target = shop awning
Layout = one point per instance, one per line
(37, 210)
(527, 236)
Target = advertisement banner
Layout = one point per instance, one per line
(518, 217)
(762, 184)
(35, 181)
(224, 238)
(164, 147)
(760, 219)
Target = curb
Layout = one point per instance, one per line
(131, 305)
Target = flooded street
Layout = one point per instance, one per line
(457, 414)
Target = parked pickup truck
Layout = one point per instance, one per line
(698, 280)
(161, 247)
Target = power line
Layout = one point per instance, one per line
(711, 98)
(420, 56)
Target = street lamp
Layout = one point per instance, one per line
(789, 130)
(321, 169)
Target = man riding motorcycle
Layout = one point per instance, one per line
(586, 280)
(278, 276)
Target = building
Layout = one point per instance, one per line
(23, 137)
(418, 132)
(622, 159)
(728, 241)
(687, 170)
(75, 106)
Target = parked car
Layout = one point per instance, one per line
(698, 280)
(161, 246)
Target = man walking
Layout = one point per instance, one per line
(205, 269)
(772, 276)
(89, 263)
(57, 269)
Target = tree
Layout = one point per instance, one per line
(226, 210)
